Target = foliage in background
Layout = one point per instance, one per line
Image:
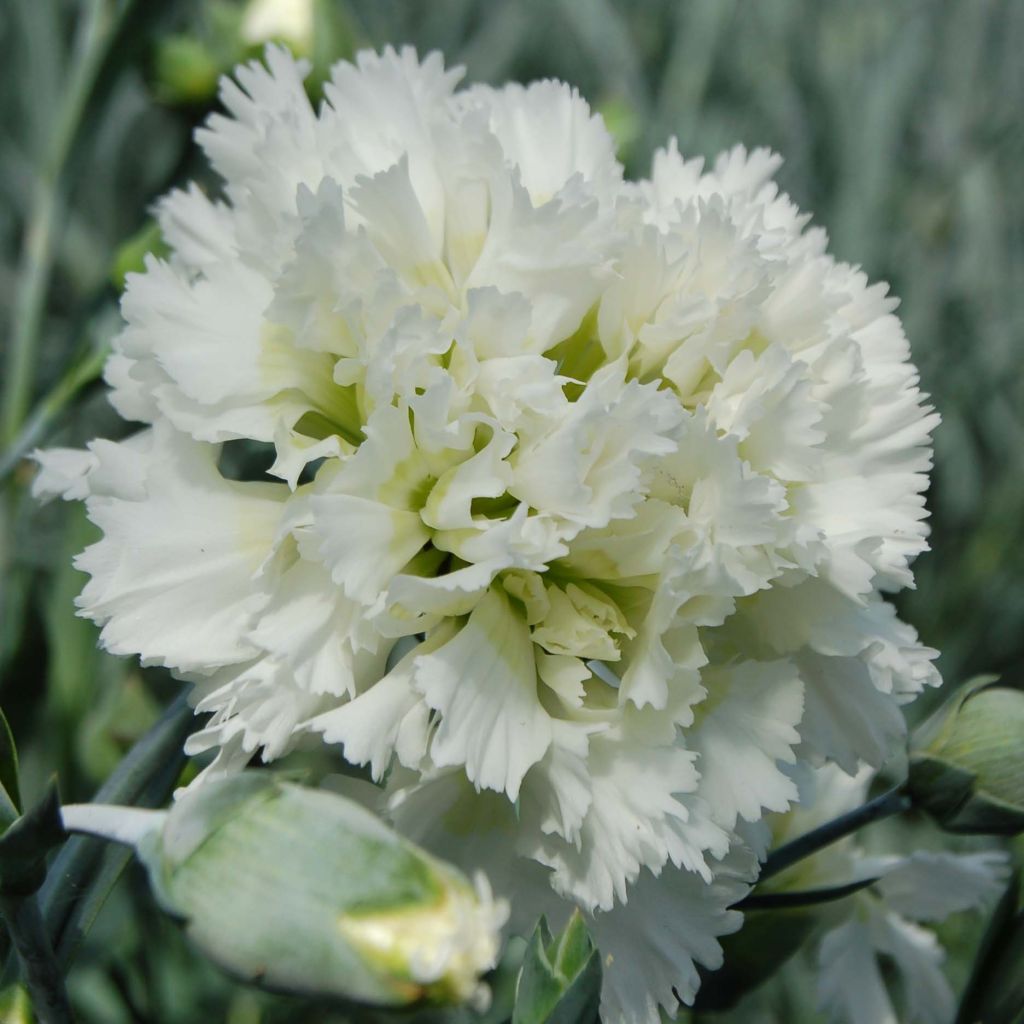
(901, 129)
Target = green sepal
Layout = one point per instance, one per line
(966, 766)
(560, 980)
(25, 844)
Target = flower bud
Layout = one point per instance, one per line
(306, 891)
(15, 1007)
(967, 761)
(287, 21)
(185, 70)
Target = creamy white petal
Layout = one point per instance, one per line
(484, 474)
(929, 886)
(453, 594)
(555, 255)
(296, 451)
(270, 143)
(199, 230)
(63, 473)
(587, 469)
(388, 718)
(316, 634)
(476, 831)
(651, 945)
(743, 733)
(847, 719)
(850, 985)
(766, 401)
(918, 958)
(177, 576)
(385, 106)
(398, 227)
(666, 656)
(211, 362)
(547, 131)
(364, 543)
(484, 685)
(628, 826)
(556, 793)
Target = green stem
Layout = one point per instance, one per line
(98, 28)
(806, 898)
(85, 870)
(884, 806)
(81, 374)
(41, 974)
(70, 899)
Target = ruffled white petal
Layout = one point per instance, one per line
(651, 946)
(850, 985)
(743, 734)
(636, 819)
(927, 886)
(63, 473)
(388, 718)
(547, 131)
(177, 576)
(484, 685)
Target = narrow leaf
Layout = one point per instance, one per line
(9, 764)
(24, 846)
(995, 991)
(144, 778)
(560, 980)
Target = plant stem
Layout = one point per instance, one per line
(42, 976)
(81, 374)
(98, 28)
(85, 870)
(145, 777)
(884, 806)
(805, 898)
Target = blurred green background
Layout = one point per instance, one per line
(902, 129)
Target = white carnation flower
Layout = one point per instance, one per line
(588, 490)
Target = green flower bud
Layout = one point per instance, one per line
(130, 257)
(305, 891)
(15, 1007)
(623, 123)
(967, 761)
(185, 70)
